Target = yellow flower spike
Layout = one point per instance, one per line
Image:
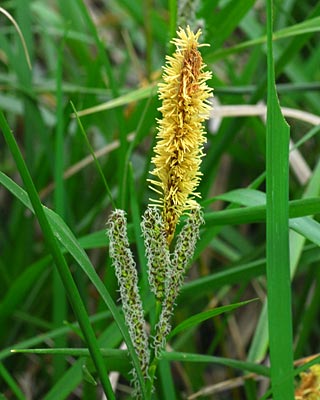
(309, 388)
(185, 106)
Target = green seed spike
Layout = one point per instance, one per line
(127, 277)
(157, 251)
(184, 250)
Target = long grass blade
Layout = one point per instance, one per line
(59, 259)
(67, 239)
(277, 247)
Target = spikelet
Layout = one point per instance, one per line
(157, 251)
(127, 276)
(183, 253)
(185, 106)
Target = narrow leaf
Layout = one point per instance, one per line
(198, 318)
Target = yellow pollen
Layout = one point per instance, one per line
(185, 106)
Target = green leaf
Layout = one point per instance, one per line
(205, 285)
(132, 96)
(229, 362)
(60, 262)
(68, 240)
(307, 227)
(277, 246)
(198, 318)
(260, 341)
(311, 25)
(247, 197)
(297, 208)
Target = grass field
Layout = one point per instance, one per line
(79, 113)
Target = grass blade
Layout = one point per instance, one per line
(67, 239)
(59, 260)
(277, 246)
(199, 318)
(200, 358)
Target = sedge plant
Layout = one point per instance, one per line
(185, 106)
(238, 31)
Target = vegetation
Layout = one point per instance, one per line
(79, 109)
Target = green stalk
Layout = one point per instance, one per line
(153, 360)
(277, 217)
(59, 260)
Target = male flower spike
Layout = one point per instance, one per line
(185, 106)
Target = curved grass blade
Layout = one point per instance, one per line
(134, 95)
(68, 240)
(204, 316)
(59, 260)
(229, 276)
(17, 28)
